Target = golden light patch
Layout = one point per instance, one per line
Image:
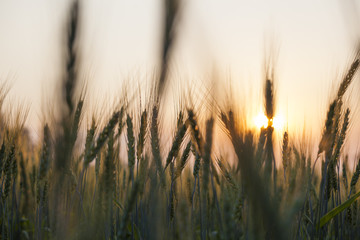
(278, 122)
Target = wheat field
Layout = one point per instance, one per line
(118, 179)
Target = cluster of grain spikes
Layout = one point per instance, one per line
(329, 195)
(263, 207)
(92, 148)
(71, 112)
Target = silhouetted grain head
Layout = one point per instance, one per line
(348, 78)
(355, 177)
(269, 99)
(207, 153)
(131, 144)
(72, 56)
(171, 12)
(142, 134)
(175, 148)
(155, 144)
(341, 137)
(45, 153)
(325, 142)
(183, 160)
(195, 131)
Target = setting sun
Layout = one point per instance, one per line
(262, 121)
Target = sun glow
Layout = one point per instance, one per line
(261, 120)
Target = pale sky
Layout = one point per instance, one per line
(120, 39)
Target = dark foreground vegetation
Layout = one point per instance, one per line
(64, 188)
